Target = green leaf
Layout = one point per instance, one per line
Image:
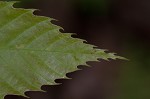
(33, 52)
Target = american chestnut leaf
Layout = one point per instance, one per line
(33, 51)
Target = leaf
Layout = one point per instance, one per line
(33, 52)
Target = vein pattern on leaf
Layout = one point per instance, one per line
(33, 52)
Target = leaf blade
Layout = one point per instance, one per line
(33, 52)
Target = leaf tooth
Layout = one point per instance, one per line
(9, 3)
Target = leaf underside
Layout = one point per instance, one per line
(33, 52)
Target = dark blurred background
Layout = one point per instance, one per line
(122, 26)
